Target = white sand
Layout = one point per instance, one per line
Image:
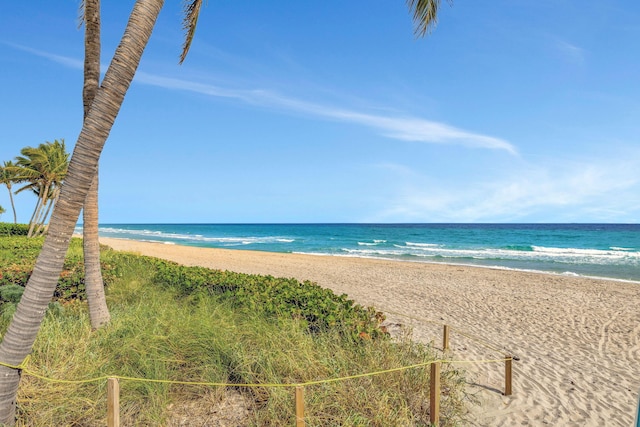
(577, 339)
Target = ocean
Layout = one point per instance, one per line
(594, 250)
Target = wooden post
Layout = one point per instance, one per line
(507, 375)
(445, 338)
(300, 406)
(434, 394)
(113, 403)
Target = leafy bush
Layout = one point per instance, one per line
(318, 307)
(17, 259)
(11, 293)
(8, 229)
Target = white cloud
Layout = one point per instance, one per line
(592, 191)
(404, 128)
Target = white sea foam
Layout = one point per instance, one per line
(145, 234)
(590, 255)
(372, 252)
(421, 245)
(375, 242)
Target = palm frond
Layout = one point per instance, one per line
(191, 13)
(425, 15)
(82, 17)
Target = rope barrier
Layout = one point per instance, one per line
(23, 368)
(464, 334)
(113, 388)
(26, 371)
(479, 341)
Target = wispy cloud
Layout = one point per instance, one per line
(399, 127)
(571, 52)
(62, 60)
(403, 128)
(588, 191)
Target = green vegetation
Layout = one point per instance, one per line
(7, 229)
(192, 324)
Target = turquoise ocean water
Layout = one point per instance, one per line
(598, 250)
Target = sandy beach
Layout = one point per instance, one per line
(576, 340)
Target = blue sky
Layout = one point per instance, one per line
(290, 111)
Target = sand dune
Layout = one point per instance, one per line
(576, 339)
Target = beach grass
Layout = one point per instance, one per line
(161, 332)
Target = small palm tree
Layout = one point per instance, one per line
(20, 336)
(9, 176)
(43, 169)
(2, 210)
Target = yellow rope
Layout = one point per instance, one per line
(464, 334)
(22, 366)
(478, 340)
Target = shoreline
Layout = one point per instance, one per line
(453, 264)
(491, 267)
(577, 339)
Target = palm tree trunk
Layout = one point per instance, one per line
(33, 217)
(38, 211)
(42, 224)
(44, 211)
(94, 284)
(13, 205)
(19, 338)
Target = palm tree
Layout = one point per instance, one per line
(8, 176)
(94, 284)
(2, 210)
(21, 334)
(43, 168)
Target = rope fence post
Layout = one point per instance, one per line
(300, 406)
(113, 402)
(445, 338)
(434, 394)
(508, 373)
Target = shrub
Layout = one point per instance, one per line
(8, 229)
(11, 293)
(17, 259)
(318, 307)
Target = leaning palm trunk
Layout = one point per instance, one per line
(40, 207)
(13, 206)
(19, 338)
(33, 217)
(42, 223)
(94, 284)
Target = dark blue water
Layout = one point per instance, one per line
(600, 250)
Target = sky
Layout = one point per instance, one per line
(334, 111)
